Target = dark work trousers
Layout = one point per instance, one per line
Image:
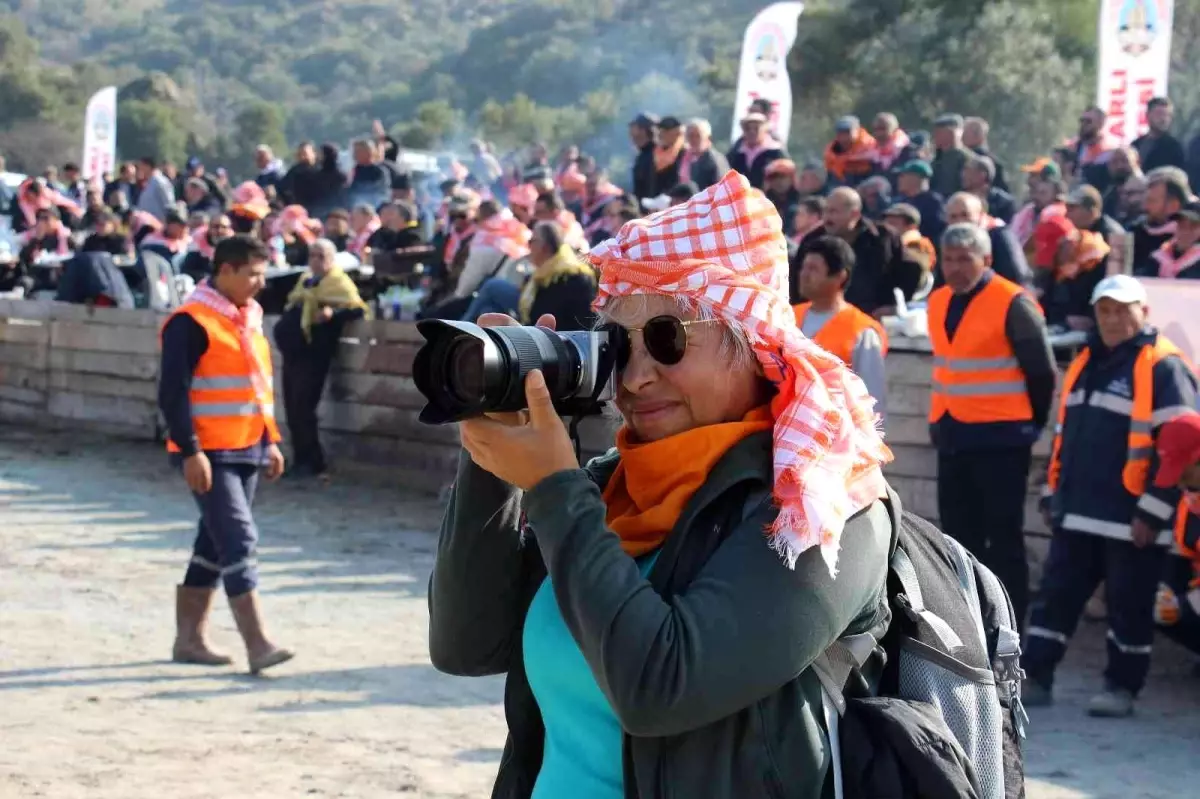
(981, 504)
(1076, 565)
(227, 541)
(304, 374)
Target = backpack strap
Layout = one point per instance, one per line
(902, 566)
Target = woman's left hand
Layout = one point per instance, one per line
(525, 452)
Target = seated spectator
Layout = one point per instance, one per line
(561, 285)
(173, 240)
(33, 196)
(1122, 165)
(905, 221)
(573, 186)
(399, 229)
(337, 228)
(49, 236)
(1085, 209)
(297, 230)
(849, 157)
(1008, 259)
(521, 200)
(93, 278)
(1167, 191)
(270, 168)
(14, 275)
(781, 190)
(549, 207)
(890, 141)
(1131, 201)
(93, 208)
(1046, 194)
(836, 325)
(975, 139)
(616, 214)
(1179, 258)
(913, 188)
(702, 163)
(813, 180)
(197, 222)
(756, 150)
(809, 218)
(197, 264)
(106, 237)
(1069, 264)
(500, 241)
(876, 194)
(122, 194)
(363, 224)
(307, 334)
(978, 178)
(249, 208)
(682, 193)
(599, 194)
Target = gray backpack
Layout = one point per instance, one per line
(933, 709)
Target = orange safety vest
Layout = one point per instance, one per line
(840, 334)
(225, 411)
(1141, 442)
(976, 377)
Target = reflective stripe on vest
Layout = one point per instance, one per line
(227, 413)
(1140, 410)
(840, 333)
(976, 376)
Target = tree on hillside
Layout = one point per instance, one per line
(148, 128)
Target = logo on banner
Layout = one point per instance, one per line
(1138, 26)
(102, 124)
(768, 55)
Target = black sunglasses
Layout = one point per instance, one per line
(665, 338)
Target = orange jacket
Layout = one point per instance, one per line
(226, 412)
(840, 334)
(855, 162)
(976, 377)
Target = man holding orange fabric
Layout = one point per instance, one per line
(836, 325)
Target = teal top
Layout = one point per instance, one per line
(582, 756)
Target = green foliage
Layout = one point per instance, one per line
(149, 128)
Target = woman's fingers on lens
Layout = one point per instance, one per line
(547, 320)
(496, 320)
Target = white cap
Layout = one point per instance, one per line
(1125, 289)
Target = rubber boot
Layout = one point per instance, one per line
(192, 606)
(261, 653)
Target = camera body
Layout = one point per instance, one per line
(464, 370)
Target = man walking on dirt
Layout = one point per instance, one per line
(216, 394)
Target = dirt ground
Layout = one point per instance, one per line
(94, 534)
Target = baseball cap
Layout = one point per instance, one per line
(193, 162)
(1125, 289)
(916, 167)
(1178, 448)
(1085, 197)
(1189, 211)
(1048, 236)
(754, 116)
(846, 124)
(645, 120)
(904, 211)
(669, 123)
(949, 121)
(1044, 167)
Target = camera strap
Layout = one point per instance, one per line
(607, 365)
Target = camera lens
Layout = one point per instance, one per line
(464, 371)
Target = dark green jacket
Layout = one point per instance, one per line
(705, 662)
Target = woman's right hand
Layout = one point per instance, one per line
(504, 320)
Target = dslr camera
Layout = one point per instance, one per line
(464, 370)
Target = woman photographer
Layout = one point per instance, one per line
(657, 612)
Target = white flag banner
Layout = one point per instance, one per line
(763, 74)
(100, 135)
(1134, 62)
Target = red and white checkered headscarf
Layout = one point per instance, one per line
(724, 250)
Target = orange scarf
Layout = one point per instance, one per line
(665, 157)
(655, 480)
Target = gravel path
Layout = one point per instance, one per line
(94, 534)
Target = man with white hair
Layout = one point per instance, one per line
(1111, 519)
(1008, 259)
(270, 168)
(975, 138)
(701, 165)
(993, 384)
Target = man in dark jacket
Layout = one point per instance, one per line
(1085, 209)
(643, 131)
(1122, 165)
(951, 155)
(1167, 191)
(303, 184)
(912, 184)
(1111, 522)
(1008, 259)
(975, 138)
(756, 150)
(978, 178)
(1158, 147)
(704, 165)
(879, 259)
